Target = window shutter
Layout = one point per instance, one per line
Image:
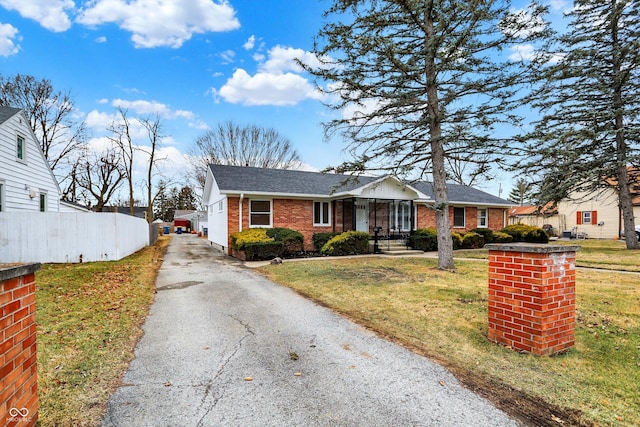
(579, 217)
(594, 217)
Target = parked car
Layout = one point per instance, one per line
(637, 232)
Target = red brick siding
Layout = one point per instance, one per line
(532, 301)
(18, 369)
(426, 218)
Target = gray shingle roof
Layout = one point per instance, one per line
(7, 112)
(259, 180)
(240, 179)
(463, 194)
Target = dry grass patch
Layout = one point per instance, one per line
(444, 316)
(89, 318)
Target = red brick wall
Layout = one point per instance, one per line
(532, 298)
(18, 369)
(297, 215)
(426, 218)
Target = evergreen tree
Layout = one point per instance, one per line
(522, 192)
(421, 82)
(587, 138)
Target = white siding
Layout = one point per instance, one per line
(24, 181)
(217, 213)
(606, 204)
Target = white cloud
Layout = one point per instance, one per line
(277, 82)
(559, 5)
(228, 56)
(161, 23)
(267, 89)
(523, 52)
(8, 38)
(250, 43)
(99, 120)
(102, 39)
(283, 59)
(51, 14)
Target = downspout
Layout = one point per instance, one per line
(240, 212)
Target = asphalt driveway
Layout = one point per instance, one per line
(223, 346)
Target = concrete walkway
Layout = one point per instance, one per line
(223, 346)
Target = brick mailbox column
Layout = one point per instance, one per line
(18, 375)
(532, 297)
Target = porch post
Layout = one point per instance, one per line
(412, 216)
(354, 214)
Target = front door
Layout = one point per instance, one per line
(362, 215)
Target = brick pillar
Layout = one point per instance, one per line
(18, 373)
(532, 297)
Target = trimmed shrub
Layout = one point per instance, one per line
(349, 243)
(472, 240)
(457, 240)
(321, 239)
(484, 232)
(257, 251)
(500, 237)
(251, 235)
(526, 233)
(424, 239)
(293, 241)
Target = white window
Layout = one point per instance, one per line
(43, 201)
(321, 213)
(401, 216)
(483, 218)
(20, 148)
(260, 213)
(586, 217)
(459, 218)
(220, 205)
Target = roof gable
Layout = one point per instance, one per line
(7, 112)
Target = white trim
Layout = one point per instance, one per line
(22, 159)
(328, 219)
(464, 209)
(486, 218)
(261, 213)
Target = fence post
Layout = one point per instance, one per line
(18, 369)
(532, 297)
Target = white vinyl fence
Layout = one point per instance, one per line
(69, 237)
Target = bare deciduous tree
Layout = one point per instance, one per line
(232, 144)
(101, 175)
(51, 117)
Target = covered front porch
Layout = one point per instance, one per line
(388, 219)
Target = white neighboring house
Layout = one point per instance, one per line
(26, 180)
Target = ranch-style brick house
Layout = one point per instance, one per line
(240, 197)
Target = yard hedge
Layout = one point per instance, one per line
(293, 241)
(348, 243)
(424, 239)
(267, 243)
(526, 233)
(321, 239)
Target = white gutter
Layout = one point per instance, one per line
(240, 212)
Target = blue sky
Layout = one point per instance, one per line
(195, 62)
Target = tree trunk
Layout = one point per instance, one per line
(445, 243)
(624, 189)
